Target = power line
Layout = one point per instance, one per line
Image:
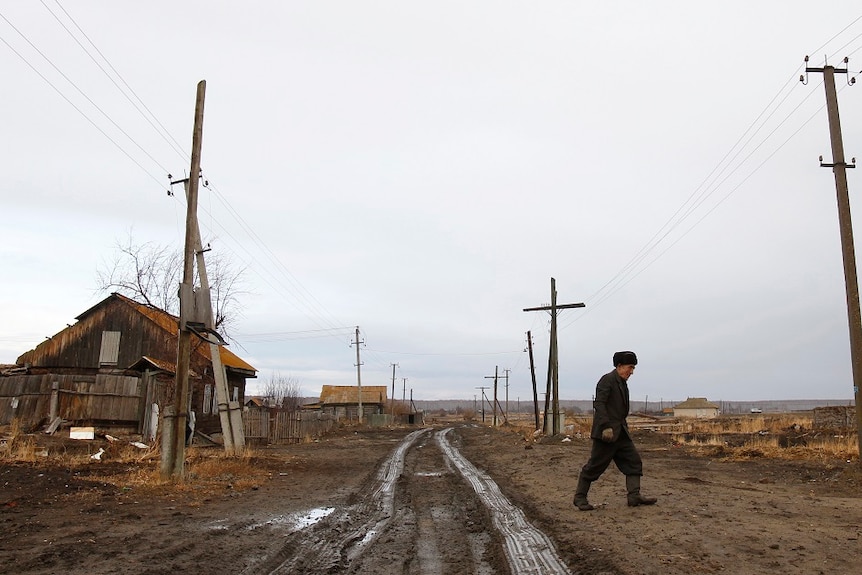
(80, 91)
(299, 293)
(444, 354)
(268, 337)
(625, 280)
(303, 300)
(728, 166)
(149, 117)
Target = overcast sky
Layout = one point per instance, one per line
(423, 169)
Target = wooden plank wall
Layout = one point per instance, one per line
(81, 398)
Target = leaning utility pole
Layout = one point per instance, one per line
(174, 428)
(533, 375)
(197, 317)
(839, 168)
(506, 376)
(229, 410)
(553, 357)
(203, 326)
(358, 374)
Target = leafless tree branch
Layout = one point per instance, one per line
(150, 274)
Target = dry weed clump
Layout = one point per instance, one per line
(238, 473)
(785, 436)
(525, 430)
(17, 446)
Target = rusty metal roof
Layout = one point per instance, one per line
(349, 394)
(170, 324)
(167, 366)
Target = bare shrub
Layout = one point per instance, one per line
(282, 391)
(149, 273)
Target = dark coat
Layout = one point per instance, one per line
(611, 406)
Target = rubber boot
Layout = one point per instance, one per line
(581, 495)
(633, 487)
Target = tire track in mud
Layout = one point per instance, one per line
(419, 516)
(528, 549)
(332, 543)
(440, 526)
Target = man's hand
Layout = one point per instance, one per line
(607, 435)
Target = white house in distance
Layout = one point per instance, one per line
(696, 407)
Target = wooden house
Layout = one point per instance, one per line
(342, 401)
(111, 367)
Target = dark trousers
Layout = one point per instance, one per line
(622, 452)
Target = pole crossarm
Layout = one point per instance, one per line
(558, 306)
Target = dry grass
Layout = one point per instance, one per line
(237, 472)
(752, 424)
(206, 470)
(130, 467)
(783, 436)
(20, 447)
(777, 436)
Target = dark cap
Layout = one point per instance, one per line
(625, 358)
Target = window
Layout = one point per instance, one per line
(110, 351)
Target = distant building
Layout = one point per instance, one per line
(696, 408)
(342, 401)
(255, 402)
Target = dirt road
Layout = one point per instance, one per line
(468, 499)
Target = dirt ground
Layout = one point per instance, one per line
(394, 502)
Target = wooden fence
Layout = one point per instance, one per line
(270, 426)
(837, 417)
(99, 399)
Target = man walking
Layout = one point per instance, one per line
(610, 434)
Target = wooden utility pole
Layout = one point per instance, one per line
(230, 413)
(546, 421)
(839, 168)
(174, 439)
(392, 399)
(494, 377)
(197, 317)
(553, 358)
(533, 376)
(506, 377)
(483, 388)
(358, 374)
